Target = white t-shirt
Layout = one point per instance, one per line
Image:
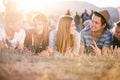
(18, 38)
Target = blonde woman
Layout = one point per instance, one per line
(37, 38)
(65, 38)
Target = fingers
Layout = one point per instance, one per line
(49, 49)
(95, 47)
(92, 46)
(95, 44)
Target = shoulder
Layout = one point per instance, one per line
(77, 33)
(107, 36)
(54, 31)
(108, 33)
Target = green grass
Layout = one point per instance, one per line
(16, 66)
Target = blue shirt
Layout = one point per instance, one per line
(86, 39)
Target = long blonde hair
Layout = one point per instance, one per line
(42, 17)
(64, 39)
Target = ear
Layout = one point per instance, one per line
(103, 26)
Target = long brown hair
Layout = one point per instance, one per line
(42, 17)
(64, 39)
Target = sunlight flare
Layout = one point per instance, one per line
(28, 5)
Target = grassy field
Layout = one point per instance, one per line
(15, 66)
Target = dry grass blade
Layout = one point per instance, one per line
(17, 66)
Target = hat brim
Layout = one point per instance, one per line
(95, 12)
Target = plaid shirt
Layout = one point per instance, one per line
(86, 39)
